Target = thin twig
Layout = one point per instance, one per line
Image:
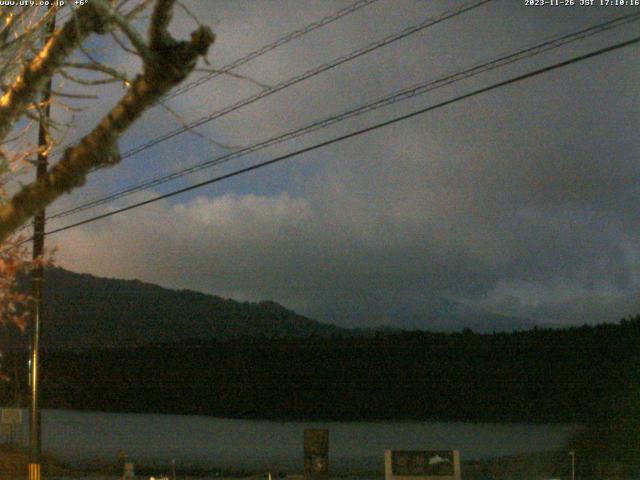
(235, 75)
(82, 81)
(134, 12)
(77, 95)
(193, 131)
(189, 13)
(122, 45)
(132, 34)
(100, 67)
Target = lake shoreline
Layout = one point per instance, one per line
(530, 466)
(279, 419)
(90, 441)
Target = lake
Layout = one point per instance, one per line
(93, 438)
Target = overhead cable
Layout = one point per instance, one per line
(415, 90)
(225, 69)
(429, 22)
(356, 133)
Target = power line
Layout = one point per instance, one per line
(354, 7)
(359, 4)
(429, 22)
(404, 94)
(341, 138)
(272, 46)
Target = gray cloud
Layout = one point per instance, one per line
(521, 201)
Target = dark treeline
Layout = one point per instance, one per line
(541, 375)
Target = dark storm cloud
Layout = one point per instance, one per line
(521, 201)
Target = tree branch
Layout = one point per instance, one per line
(33, 76)
(173, 62)
(158, 29)
(134, 37)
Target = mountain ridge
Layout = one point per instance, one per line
(86, 312)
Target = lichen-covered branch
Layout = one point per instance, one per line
(172, 62)
(34, 75)
(158, 29)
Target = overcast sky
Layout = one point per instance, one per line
(522, 201)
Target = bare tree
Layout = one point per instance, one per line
(166, 62)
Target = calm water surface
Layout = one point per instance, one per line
(88, 438)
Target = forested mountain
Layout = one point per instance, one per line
(84, 312)
(119, 345)
(568, 375)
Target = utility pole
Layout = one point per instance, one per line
(37, 275)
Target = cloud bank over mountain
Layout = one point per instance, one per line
(522, 201)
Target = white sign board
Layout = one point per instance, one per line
(422, 465)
